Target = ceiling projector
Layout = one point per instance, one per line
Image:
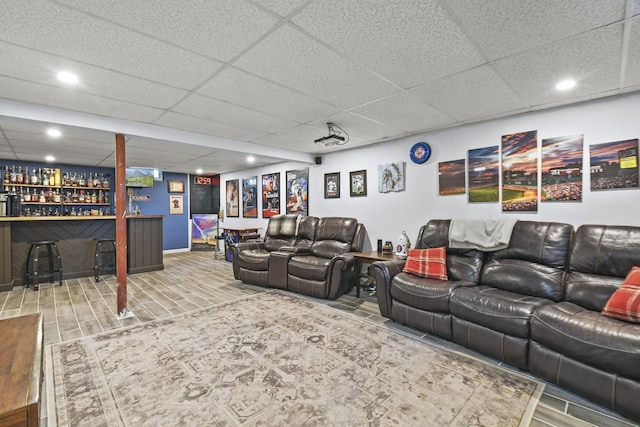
(334, 138)
(330, 140)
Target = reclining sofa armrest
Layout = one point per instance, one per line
(340, 275)
(236, 248)
(383, 272)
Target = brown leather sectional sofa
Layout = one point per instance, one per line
(535, 304)
(304, 254)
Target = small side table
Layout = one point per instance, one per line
(370, 258)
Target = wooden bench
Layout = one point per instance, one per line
(21, 374)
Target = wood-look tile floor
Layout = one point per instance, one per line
(191, 280)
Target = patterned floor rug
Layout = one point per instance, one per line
(278, 359)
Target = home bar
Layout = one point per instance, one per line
(76, 238)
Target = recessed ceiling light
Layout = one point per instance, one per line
(251, 159)
(50, 158)
(67, 77)
(199, 171)
(54, 133)
(566, 84)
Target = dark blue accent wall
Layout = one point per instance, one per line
(175, 232)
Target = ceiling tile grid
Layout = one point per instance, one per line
(592, 59)
(507, 27)
(408, 42)
(470, 95)
(272, 73)
(292, 59)
(241, 88)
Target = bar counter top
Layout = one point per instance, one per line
(69, 218)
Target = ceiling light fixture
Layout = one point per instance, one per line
(335, 137)
(67, 77)
(50, 158)
(54, 133)
(199, 171)
(251, 159)
(566, 84)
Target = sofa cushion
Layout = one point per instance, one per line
(601, 257)
(308, 267)
(496, 309)
(254, 259)
(586, 336)
(624, 304)
(535, 261)
(423, 293)
(429, 263)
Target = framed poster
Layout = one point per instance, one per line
(451, 178)
(332, 185)
(614, 165)
(204, 232)
(298, 191)
(176, 186)
(176, 205)
(391, 177)
(270, 194)
(520, 172)
(483, 175)
(358, 183)
(562, 169)
(233, 209)
(250, 197)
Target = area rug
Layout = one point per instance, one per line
(283, 360)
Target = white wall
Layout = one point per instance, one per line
(386, 215)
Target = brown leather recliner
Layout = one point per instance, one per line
(494, 317)
(327, 271)
(575, 346)
(251, 259)
(421, 302)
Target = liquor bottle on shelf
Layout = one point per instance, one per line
(56, 196)
(26, 178)
(34, 177)
(94, 197)
(105, 182)
(12, 175)
(19, 176)
(100, 197)
(82, 181)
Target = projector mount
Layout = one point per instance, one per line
(335, 137)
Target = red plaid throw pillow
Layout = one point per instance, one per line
(624, 304)
(430, 263)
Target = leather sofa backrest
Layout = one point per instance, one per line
(601, 258)
(334, 236)
(462, 264)
(281, 231)
(535, 263)
(306, 231)
(358, 239)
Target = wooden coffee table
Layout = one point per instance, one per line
(370, 258)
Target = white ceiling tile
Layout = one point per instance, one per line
(206, 127)
(632, 69)
(298, 138)
(409, 45)
(30, 65)
(85, 38)
(19, 90)
(235, 115)
(219, 29)
(241, 88)
(296, 61)
(281, 7)
(506, 27)
(592, 59)
(636, 7)
(403, 112)
(470, 95)
(188, 150)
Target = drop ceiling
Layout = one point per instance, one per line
(201, 84)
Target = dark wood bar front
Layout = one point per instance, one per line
(75, 238)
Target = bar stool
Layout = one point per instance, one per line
(104, 261)
(35, 270)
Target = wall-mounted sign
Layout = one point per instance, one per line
(140, 198)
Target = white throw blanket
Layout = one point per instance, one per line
(482, 234)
